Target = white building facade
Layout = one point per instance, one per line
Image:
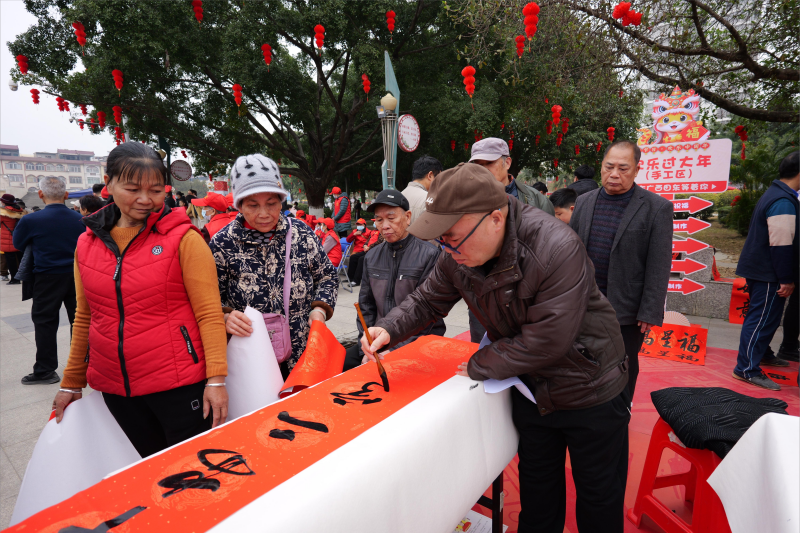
(76, 168)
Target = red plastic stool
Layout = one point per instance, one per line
(708, 514)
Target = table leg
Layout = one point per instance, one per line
(495, 504)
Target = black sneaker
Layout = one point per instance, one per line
(775, 361)
(789, 355)
(47, 379)
(760, 380)
(14, 282)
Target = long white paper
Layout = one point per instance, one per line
(493, 386)
(759, 480)
(254, 377)
(72, 456)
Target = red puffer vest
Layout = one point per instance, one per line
(335, 255)
(218, 222)
(8, 221)
(143, 337)
(346, 215)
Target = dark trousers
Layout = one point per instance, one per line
(633, 337)
(50, 291)
(476, 329)
(791, 322)
(13, 260)
(597, 439)
(157, 421)
(355, 270)
(343, 234)
(762, 320)
(3, 264)
(353, 356)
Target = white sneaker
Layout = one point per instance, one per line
(4, 278)
(353, 283)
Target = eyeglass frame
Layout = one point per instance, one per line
(455, 250)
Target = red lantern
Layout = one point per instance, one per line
(390, 19)
(510, 144)
(453, 145)
(611, 133)
(22, 63)
(577, 150)
(183, 153)
(197, 7)
(267, 51)
(319, 35)
(599, 145)
(60, 102)
(537, 139)
(117, 75)
(117, 114)
(83, 109)
(466, 147)
(80, 123)
(565, 125)
(556, 111)
(549, 127)
(555, 163)
(35, 95)
(740, 131)
(80, 34)
(545, 100)
(520, 40)
(620, 10)
(469, 81)
(530, 12)
(237, 94)
(101, 118)
(366, 83)
(629, 16)
(118, 142)
(621, 93)
(559, 137)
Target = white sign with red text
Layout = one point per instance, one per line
(685, 167)
(408, 133)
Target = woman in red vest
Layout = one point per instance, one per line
(10, 213)
(149, 331)
(330, 242)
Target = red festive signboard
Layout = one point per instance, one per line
(671, 342)
(689, 246)
(690, 225)
(685, 167)
(684, 286)
(687, 266)
(740, 301)
(690, 205)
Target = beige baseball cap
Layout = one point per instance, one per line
(467, 188)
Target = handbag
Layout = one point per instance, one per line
(277, 324)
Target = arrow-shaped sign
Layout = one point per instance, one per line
(685, 286)
(692, 205)
(689, 246)
(687, 266)
(690, 225)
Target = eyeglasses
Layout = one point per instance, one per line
(455, 249)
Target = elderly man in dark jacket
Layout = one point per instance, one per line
(393, 269)
(529, 281)
(628, 235)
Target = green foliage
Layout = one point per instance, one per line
(722, 204)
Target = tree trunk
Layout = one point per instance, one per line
(315, 192)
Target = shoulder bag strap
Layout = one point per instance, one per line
(287, 271)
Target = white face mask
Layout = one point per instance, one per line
(360, 228)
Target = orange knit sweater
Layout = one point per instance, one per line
(199, 277)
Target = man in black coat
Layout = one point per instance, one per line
(584, 180)
(627, 232)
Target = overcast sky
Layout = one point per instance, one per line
(35, 128)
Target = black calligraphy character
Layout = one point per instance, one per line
(288, 434)
(777, 376)
(644, 352)
(343, 398)
(745, 307)
(689, 344)
(667, 338)
(108, 524)
(663, 353)
(648, 339)
(195, 479)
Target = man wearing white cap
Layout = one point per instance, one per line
(492, 154)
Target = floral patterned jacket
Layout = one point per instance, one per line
(250, 269)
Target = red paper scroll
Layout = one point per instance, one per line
(323, 359)
(740, 301)
(671, 342)
(197, 484)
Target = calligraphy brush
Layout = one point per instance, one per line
(381, 370)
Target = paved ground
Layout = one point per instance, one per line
(24, 410)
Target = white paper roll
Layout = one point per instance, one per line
(254, 377)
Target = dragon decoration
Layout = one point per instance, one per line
(675, 120)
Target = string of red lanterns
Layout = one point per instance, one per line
(564, 125)
(117, 114)
(611, 131)
(83, 109)
(101, 119)
(35, 95)
(559, 137)
(390, 20)
(366, 83)
(237, 96)
(537, 139)
(319, 36)
(520, 40)
(629, 16)
(469, 81)
(197, 7)
(599, 145)
(549, 127)
(453, 145)
(22, 63)
(117, 75)
(742, 133)
(556, 112)
(555, 163)
(80, 34)
(267, 51)
(530, 12)
(577, 150)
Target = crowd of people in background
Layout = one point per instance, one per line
(561, 291)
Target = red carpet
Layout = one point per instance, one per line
(654, 374)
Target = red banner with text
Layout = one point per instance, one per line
(671, 342)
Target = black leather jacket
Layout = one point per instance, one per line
(392, 271)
